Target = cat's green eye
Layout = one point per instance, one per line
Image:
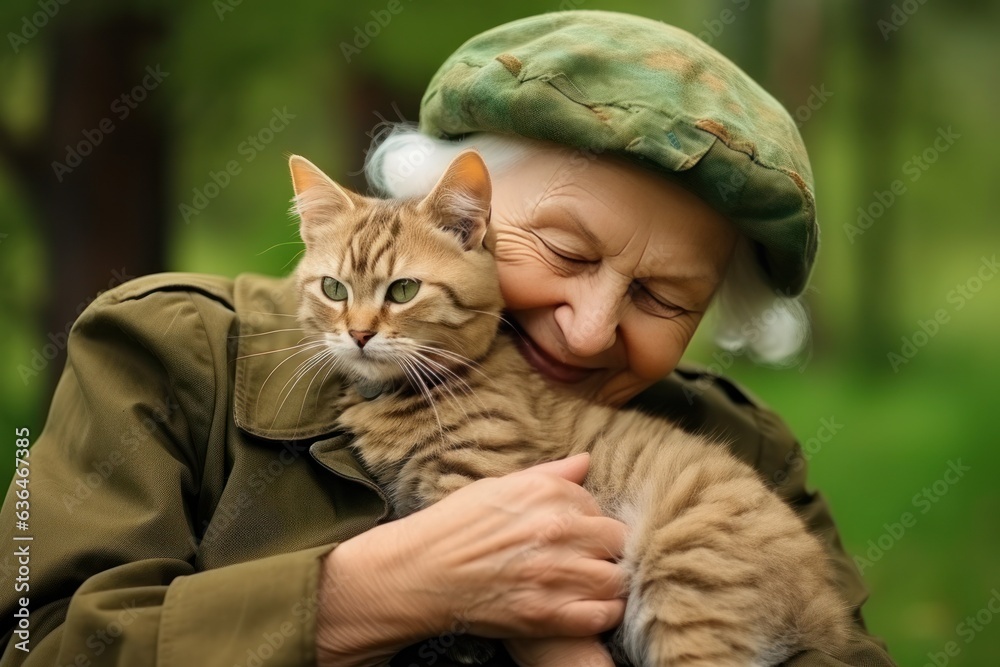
(334, 289)
(403, 290)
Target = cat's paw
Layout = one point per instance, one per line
(348, 398)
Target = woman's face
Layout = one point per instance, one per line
(606, 269)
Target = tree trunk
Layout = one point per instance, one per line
(374, 108)
(97, 175)
(879, 101)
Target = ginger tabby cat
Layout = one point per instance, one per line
(407, 300)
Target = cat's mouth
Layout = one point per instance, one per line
(371, 368)
(544, 362)
(383, 364)
(370, 363)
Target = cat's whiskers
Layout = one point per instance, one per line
(427, 353)
(332, 359)
(266, 333)
(443, 369)
(450, 373)
(415, 381)
(399, 361)
(425, 371)
(457, 344)
(299, 373)
(293, 257)
(448, 337)
(305, 347)
(276, 245)
(280, 349)
(503, 319)
(454, 356)
(499, 317)
(455, 399)
(325, 378)
(423, 389)
(455, 359)
(457, 379)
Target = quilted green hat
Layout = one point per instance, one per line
(611, 82)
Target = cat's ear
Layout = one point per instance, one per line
(319, 201)
(460, 202)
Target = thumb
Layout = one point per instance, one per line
(560, 651)
(574, 468)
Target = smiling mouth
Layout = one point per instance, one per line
(545, 363)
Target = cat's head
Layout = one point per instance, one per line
(398, 286)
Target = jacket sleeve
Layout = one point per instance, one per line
(780, 460)
(115, 494)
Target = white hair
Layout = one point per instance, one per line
(749, 316)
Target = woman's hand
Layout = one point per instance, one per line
(523, 555)
(559, 652)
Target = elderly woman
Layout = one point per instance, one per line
(181, 516)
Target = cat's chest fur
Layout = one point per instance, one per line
(490, 419)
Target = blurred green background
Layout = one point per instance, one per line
(874, 84)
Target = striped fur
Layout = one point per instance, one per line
(722, 572)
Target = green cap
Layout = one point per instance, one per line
(611, 82)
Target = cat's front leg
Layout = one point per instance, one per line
(723, 573)
(687, 615)
(428, 488)
(359, 414)
(347, 399)
(425, 481)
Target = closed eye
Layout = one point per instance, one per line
(651, 303)
(574, 260)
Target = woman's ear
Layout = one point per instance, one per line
(319, 201)
(460, 201)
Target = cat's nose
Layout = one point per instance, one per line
(361, 337)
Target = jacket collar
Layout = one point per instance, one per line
(278, 394)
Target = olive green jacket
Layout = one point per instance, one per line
(185, 486)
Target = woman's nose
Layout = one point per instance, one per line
(589, 322)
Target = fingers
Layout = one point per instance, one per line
(580, 500)
(574, 468)
(589, 617)
(603, 580)
(597, 537)
(589, 536)
(591, 580)
(559, 652)
(530, 551)
(534, 489)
